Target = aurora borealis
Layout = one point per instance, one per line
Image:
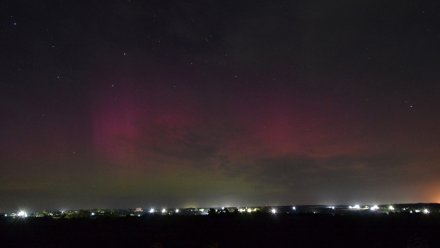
(215, 103)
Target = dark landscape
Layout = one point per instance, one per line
(226, 231)
(305, 226)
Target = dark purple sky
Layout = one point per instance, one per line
(214, 103)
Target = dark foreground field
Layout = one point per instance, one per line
(225, 231)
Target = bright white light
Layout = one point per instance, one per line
(201, 209)
(357, 206)
(152, 210)
(374, 208)
(92, 214)
(426, 211)
(391, 208)
(241, 210)
(164, 210)
(249, 210)
(273, 211)
(177, 210)
(417, 210)
(293, 208)
(22, 214)
(332, 207)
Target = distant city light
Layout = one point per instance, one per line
(374, 208)
(417, 210)
(22, 214)
(6, 215)
(293, 208)
(391, 208)
(152, 210)
(273, 211)
(426, 211)
(357, 206)
(164, 210)
(92, 214)
(177, 210)
(249, 210)
(332, 207)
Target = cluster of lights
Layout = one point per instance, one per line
(355, 207)
(374, 208)
(247, 210)
(22, 214)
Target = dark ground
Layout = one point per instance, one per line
(225, 231)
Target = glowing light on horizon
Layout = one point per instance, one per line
(22, 214)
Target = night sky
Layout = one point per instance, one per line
(218, 103)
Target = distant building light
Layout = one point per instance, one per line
(164, 210)
(417, 210)
(201, 209)
(332, 207)
(293, 208)
(357, 207)
(6, 215)
(92, 214)
(249, 210)
(22, 214)
(273, 211)
(391, 208)
(152, 210)
(177, 210)
(374, 208)
(426, 211)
